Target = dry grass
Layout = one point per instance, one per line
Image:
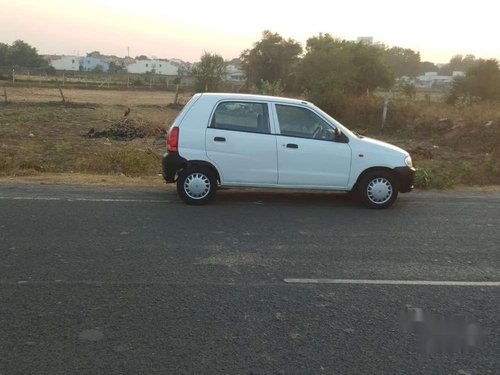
(85, 179)
(132, 98)
(449, 145)
(44, 137)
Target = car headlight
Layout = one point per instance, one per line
(408, 162)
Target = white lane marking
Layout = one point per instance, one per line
(84, 199)
(393, 282)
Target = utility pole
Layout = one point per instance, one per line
(128, 51)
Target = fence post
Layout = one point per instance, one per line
(176, 94)
(5, 94)
(63, 81)
(384, 112)
(62, 95)
(128, 81)
(13, 76)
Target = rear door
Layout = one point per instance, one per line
(309, 154)
(239, 142)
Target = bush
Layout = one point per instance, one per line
(423, 178)
(6, 164)
(138, 82)
(272, 88)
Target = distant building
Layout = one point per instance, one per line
(90, 63)
(430, 79)
(458, 73)
(365, 40)
(65, 63)
(153, 66)
(234, 73)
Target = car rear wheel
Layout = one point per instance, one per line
(196, 185)
(378, 189)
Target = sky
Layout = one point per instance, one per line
(185, 29)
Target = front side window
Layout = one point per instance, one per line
(303, 123)
(241, 116)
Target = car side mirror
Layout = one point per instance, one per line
(338, 133)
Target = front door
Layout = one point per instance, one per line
(309, 154)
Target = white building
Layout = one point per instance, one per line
(65, 63)
(156, 66)
(430, 79)
(234, 73)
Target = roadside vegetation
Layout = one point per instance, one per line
(453, 134)
(450, 145)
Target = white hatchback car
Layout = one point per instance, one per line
(235, 140)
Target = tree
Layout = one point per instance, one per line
(404, 61)
(209, 72)
(114, 67)
(481, 82)
(370, 69)
(4, 54)
(409, 90)
(271, 59)
(142, 57)
(22, 54)
(427, 66)
(332, 68)
(458, 63)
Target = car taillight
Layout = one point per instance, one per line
(173, 139)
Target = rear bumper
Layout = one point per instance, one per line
(171, 163)
(405, 176)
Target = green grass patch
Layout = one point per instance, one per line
(127, 161)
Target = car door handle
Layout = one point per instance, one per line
(220, 139)
(292, 145)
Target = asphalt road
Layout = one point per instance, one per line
(130, 280)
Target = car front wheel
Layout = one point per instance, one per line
(196, 185)
(378, 189)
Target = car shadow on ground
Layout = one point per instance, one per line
(299, 198)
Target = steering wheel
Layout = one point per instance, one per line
(317, 132)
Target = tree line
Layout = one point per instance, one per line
(325, 70)
(329, 69)
(20, 53)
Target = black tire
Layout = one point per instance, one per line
(378, 189)
(203, 183)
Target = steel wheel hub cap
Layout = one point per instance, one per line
(379, 190)
(197, 186)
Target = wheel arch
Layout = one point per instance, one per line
(203, 163)
(372, 169)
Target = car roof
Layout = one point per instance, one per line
(231, 96)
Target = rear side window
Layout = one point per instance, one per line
(241, 116)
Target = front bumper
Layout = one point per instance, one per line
(405, 177)
(171, 163)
